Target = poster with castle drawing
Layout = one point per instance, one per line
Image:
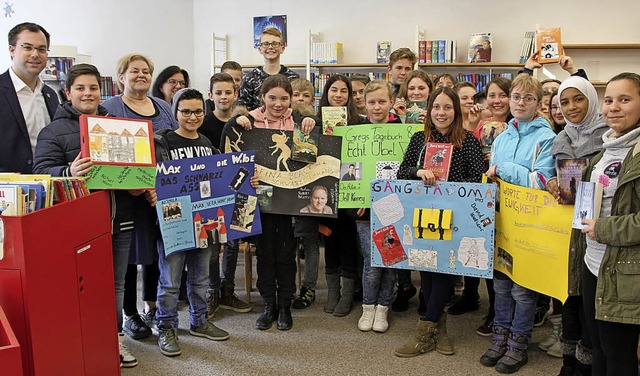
(447, 227)
(288, 186)
(122, 152)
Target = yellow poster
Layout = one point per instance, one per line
(532, 239)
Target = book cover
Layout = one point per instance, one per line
(243, 212)
(441, 51)
(11, 199)
(264, 22)
(414, 110)
(383, 51)
(549, 43)
(305, 147)
(569, 175)
(437, 158)
(480, 48)
(490, 130)
(388, 244)
(333, 117)
(429, 54)
(434, 52)
(422, 51)
(588, 202)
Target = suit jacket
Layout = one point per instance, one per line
(15, 147)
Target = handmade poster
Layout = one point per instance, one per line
(288, 186)
(122, 152)
(447, 227)
(264, 22)
(376, 151)
(206, 199)
(532, 239)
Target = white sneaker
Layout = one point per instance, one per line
(366, 320)
(380, 323)
(126, 359)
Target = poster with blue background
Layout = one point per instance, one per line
(206, 199)
(447, 227)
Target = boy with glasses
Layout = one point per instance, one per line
(271, 47)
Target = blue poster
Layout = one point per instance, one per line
(448, 227)
(206, 199)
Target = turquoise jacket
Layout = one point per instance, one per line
(522, 153)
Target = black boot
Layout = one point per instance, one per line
(583, 358)
(569, 361)
(267, 317)
(285, 321)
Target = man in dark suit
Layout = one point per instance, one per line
(26, 103)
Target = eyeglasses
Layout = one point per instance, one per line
(528, 99)
(270, 44)
(171, 81)
(187, 113)
(28, 48)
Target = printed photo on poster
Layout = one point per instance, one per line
(351, 171)
(318, 201)
(243, 212)
(305, 147)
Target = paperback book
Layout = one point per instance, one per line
(588, 202)
(569, 175)
(414, 110)
(11, 200)
(480, 48)
(490, 130)
(549, 43)
(437, 158)
(305, 147)
(388, 244)
(333, 117)
(383, 52)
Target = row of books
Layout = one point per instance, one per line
(318, 80)
(23, 194)
(326, 53)
(437, 51)
(56, 68)
(481, 80)
(109, 87)
(547, 41)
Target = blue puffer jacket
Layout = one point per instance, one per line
(522, 153)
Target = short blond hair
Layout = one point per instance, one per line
(302, 84)
(378, 85)
(272, 31)
(526, 82)
(126, 60)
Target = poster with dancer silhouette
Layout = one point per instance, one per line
(289, 186)
(447, 227)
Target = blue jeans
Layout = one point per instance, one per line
(171, 267)
(377, 283)
(515, 306)
(311, 245)
(120, 244)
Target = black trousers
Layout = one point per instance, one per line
(150, 276)
(341, 247)
(614, 344)
(573, 325)
(276, 260)
(436, 290)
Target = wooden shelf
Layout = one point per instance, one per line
(603, 46)
(351, 65)
(471, 65)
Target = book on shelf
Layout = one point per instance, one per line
(56, 68)
(480, 48)
(569, 175)
(588, 202)
(11, 199)
(383, 52)
(333, 117)
(327, 53)
(44, 194)
(414, 110)
(68, 188)
(437, 158)
(439, 51)
(528, 46)
(549, 43)
(422, 51)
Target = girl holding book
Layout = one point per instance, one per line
(521, 155)
(611, 243)
(337, 93)
(416, 88)
(580, 139)
(443, 125)
(466, 92)
(275, 247)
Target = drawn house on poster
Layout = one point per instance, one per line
(141, 147)
(121, 147)
(98, 143)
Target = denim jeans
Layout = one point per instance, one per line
(120, 243)
(515, 306)
(214, 268)
(377, 283)
(229, 263)
(171, 267)
(311, 245)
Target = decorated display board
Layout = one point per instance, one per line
(206, 199)
(122, 152)
(532, 239)
(447, 227)
(288, 186)
(371, 152)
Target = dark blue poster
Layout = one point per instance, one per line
(206, 199)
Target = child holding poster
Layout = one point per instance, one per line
(520, 155)
(275, 247)
(443, 125)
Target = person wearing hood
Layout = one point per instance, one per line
(520, 155)
(611, 243)
(580, 139)
(58, 154)
(276, 246)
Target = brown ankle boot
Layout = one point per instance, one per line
(423, 342)
(443, 342)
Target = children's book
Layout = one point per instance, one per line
(480, 48)
(243, 212)
(437, 158)
(11, 200)
(388, 244)
(490, 130)
(383, 51)
(549, 43)
(305, 147)
(414, 110)
(264, 22)
(569, 175)
(588, 202)
(333, 117)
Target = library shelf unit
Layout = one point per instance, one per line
(57, 290)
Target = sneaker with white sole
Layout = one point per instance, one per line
(380, 322)
(126, 359)
(365, 323)
(210, 331)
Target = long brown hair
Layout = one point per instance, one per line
(456, 133)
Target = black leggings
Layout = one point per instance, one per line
(341, 247)
(150, 276)
(436, 290)
(471, 285)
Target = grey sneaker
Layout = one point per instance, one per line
(168, 340)
(208, 330)
(229, 300)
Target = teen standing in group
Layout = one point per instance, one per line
(415, 88)
(443, 125)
